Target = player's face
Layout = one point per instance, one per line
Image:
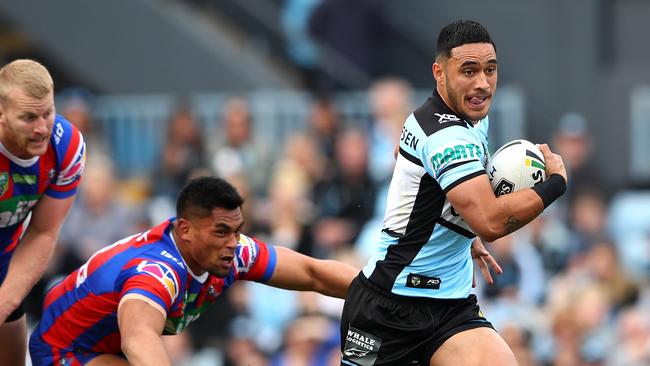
(214, 240)
(26, 124)
(468, 79)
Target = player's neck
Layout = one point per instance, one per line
(183, 249)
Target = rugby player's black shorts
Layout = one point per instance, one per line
(381, 328)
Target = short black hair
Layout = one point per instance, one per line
(459, 33)
(201, 195)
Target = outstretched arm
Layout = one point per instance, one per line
(295, 271)
(141, 323)
(33, 252)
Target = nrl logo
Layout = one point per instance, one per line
(503, 187)
(415, 280)
(444, 118)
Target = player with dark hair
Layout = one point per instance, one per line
(411, 304)
(42, 157)
(117, 306)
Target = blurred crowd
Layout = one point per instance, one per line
(575, 282)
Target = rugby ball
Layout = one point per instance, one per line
(517, 165)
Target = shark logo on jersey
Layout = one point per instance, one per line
(444, 118)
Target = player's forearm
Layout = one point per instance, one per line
(511, 213)
(333, 278)
(145, 348)
(27, 265)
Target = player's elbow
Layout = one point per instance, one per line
(129, 345)
(489, 230)
(489, 236)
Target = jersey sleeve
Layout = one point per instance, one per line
(255, 260)
(153, 279)
(452, 156)
(71, 157)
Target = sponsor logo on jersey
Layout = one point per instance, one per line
(457, 152)
(361, 348)
(4, 182)
(162, 273)
(16, 209)
(421, 281)
(167, 254)
(409, 139)
(23, 179)
(445, 118)
(58, 133)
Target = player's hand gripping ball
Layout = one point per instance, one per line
(517, 165)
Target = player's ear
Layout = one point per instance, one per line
(183, 228)
(438, 72)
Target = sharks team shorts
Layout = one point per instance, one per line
(380, 328)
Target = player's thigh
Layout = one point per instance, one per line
(13, 342)
(108, 360)
(474, 347)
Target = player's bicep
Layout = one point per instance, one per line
(136, 314)
(48, 214)
(473, 199)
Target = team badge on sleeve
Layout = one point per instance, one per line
(246, 253)
(163, 273)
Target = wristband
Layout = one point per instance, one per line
(551, 189)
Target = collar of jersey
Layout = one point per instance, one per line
(438, 99)
(16, 160)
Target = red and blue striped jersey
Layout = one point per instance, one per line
(80, 313)
(57, 174)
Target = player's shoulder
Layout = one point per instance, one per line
(247, 251)
(63, 131)
(67, 142)
(433, 116)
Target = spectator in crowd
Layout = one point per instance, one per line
(633, 335)
(346, 199)
(182, 153)
(233, 150)
(99, 217)
(324, 125)
(574, 143)
(390, 104)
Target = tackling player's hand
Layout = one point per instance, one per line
(484, 260)
(553, 162)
